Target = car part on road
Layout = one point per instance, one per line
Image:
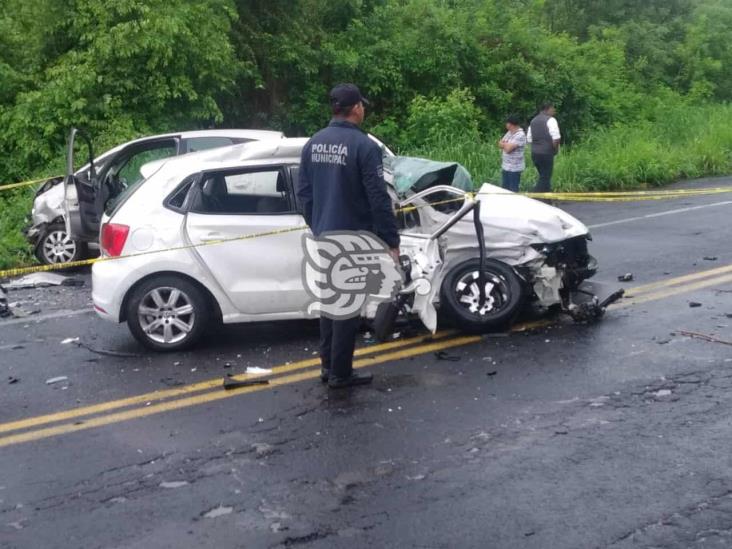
(56, 247)
(168, 313)
(627, 277)
(230, 384)
(461, 295)
(42, 280)
(4, 309)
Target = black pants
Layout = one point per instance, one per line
(337, 341)
(545, 166)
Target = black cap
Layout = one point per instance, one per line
(346, 95)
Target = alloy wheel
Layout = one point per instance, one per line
(467, 292)
(58, 247)
(166, 315)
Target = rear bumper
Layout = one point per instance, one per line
(108, 289)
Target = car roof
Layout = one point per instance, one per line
(253, 135)
(285, 150)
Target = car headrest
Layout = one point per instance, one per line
(281, 184)
(215, 186)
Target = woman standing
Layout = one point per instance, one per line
(512, 163)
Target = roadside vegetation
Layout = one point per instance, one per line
(641, 87)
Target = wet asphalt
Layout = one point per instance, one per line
(615, 434)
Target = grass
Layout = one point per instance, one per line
(682, 142)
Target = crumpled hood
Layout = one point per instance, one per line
(533, 220)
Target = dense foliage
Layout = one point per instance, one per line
(627, 76)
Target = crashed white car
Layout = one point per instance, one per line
(170, 284)
(113, 171)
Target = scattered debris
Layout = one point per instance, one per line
(693, 304)
(710, 258)
(70, 340)
(262, 449)
(105, 352)
(704, 337)
(174, 484)
(170, 382)
(627, 277)
(561, 432)
(58, 379)
(255, 370)
(662, 393)
(43, 280)
(12, 380)
(230, 383)
(443, 355)
(491, 373)
(4, 309)
(219, 511)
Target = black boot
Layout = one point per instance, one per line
(324, 374)
(354, 379)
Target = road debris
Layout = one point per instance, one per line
(70, 340)
(12, 380)
(174, 484)
(4, 309)
(43, 280)
(694, 304)
(58, 379)
(444, 355)
(105, 352)
(230, 383)
(704, 337)
(627, 277)
(255, 370)
(710, 258)
(219, 511)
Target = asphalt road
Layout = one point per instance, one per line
(612, 435)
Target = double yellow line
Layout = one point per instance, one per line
(676, 286)
(97, 415)
(139, 406)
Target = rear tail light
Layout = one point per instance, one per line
(113, 239)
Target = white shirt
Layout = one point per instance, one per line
(553, 126)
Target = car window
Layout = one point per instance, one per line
(124, 175)
(245, 192)
(204, 143)
(129, 172)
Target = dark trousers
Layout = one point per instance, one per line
(511, 180)
(337, 341)
(545, 166)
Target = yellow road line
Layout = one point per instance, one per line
(670, 292)
(678, 280)
(212, 396)
(670, 287)
(200, 386)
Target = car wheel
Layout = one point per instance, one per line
(504, 293)
(56, 247)
(168, 313)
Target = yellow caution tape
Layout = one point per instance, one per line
(19, 271)
(26, 183)
(618, 196)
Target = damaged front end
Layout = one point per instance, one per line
(522, 239)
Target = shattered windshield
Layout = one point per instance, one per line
(411, 174)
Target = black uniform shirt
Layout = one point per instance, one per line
(341, 184)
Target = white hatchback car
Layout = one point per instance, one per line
(171, 282)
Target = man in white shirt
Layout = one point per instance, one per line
(544, 137)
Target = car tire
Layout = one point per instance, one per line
(168, 313)
(505, 293)
(56, 247)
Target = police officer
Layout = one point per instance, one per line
(345, 190)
